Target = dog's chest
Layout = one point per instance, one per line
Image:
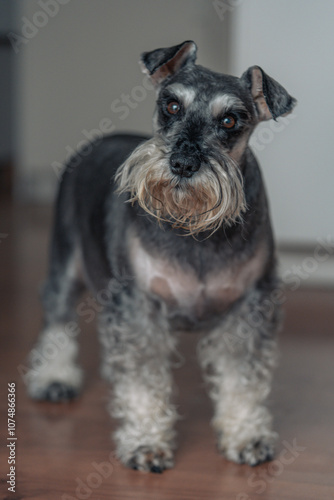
(184, 292)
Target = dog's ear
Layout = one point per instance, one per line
(270, 98)
(161, 63)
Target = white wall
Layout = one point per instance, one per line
(293, 41)
(84, 58)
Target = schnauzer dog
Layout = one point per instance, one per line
(172, 233)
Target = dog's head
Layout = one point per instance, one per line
(190, 173)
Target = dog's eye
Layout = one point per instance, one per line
(173, 107)
(228, 121)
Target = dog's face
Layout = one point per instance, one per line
(190, 173)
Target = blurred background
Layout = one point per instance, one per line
(69, 71)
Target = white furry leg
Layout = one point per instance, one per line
(136, 360)
(243, 424)
(238, 359)
(53, 372)
(145, 438)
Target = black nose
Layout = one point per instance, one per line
(184, 165)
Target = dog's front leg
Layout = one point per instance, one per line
(136, 349)
(238, 358)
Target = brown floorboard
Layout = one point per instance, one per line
(58, 446)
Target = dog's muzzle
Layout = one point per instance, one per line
(184, 165)
(203, 203)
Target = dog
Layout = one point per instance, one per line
(172, 233)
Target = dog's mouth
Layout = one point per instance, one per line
(213, 196)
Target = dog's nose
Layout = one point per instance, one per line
(184, 165)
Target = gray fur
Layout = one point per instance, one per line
(163, 273)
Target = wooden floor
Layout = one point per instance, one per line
(60, 448)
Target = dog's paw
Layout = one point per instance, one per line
(148, 458)
(58, 392)
(255, 452)
(50, 383)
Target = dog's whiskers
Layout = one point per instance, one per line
(202, 203)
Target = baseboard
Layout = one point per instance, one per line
(307, 265)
